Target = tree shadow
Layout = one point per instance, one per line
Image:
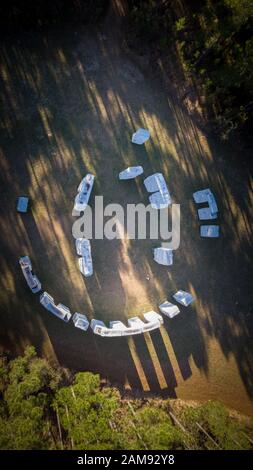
(70, 105)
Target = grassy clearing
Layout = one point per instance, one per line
(69, 105)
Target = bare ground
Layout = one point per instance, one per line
(69, 104)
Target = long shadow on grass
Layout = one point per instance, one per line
(70, 105)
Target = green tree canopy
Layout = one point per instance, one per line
(26, 385)
(86, 412)
(38, 412)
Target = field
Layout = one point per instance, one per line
(69, 104)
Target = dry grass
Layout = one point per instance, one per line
(69, 105)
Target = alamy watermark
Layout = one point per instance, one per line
(135, 222)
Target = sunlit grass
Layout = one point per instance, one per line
(77, 121)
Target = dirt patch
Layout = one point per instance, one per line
(80, 100)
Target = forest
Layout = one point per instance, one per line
(42, 409)
(210, 43)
